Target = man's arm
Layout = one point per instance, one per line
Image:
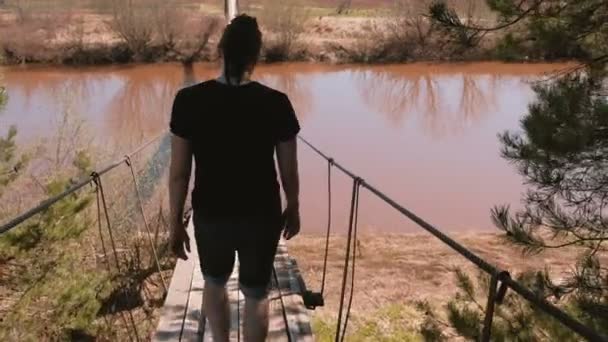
(179, 180)
(287, 156)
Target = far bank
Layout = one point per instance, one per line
(300, 31)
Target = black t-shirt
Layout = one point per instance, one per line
(233, 131)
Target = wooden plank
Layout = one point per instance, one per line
(298, 319)
(194, 319)
(302, 316)
(277, 329)
(176, 303)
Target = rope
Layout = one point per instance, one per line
(146, 225)
(103, 247)
(103, 244)
(44, 205)
(330, 163)
(97, 179)
(352, 273)
(339, 337)
(283, 308)
(507, 282)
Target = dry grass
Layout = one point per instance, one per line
(400, 269)
(25, 35)
(283, 24)
(38, 316)
(149, 25)
(405, 34)
(104, 32)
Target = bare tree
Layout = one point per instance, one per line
(285, 22)
(343, 7)
(131, 21)
(153, 26)
(193, 42)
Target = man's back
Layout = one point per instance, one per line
(233, 131)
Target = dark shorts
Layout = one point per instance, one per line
(254, 240)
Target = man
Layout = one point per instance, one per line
(233, 126)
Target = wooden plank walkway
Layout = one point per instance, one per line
(182, 318)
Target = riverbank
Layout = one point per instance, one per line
(292, 32)
(396, 271)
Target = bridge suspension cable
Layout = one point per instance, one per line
(44, 205)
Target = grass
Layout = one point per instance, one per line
(353, 13)
(211, 9)
(392, 323)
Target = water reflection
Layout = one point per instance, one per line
(138, 108)
(293, 82)
(443, 104)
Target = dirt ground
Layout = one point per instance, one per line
(405, 268)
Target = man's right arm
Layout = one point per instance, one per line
(179, 174)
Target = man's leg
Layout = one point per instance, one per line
(217, 310)
(256, 319)
(256, 255)
(216, 253)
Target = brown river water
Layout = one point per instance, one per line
(425, 134)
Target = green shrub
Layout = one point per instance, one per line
(510, 49)
(515, 319)
(551, 39)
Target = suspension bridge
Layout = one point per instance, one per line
(182, 317)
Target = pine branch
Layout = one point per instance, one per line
(446, 16)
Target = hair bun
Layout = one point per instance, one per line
(244, 20)
(240, 45)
